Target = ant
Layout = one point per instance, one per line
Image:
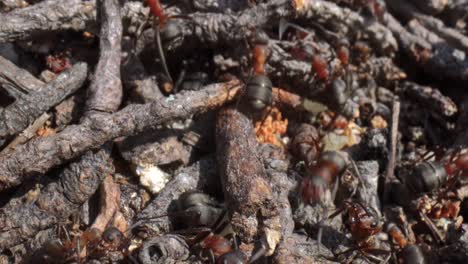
(166, 29)
(194, 210)
(428, 176)
(54, 251)
(321, 175)
(319, 65)
(259, 88)
(198, 210)
(409, 252)
(306, 143)
(363, 223)
(217, 249)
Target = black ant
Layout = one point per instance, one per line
(166, 29)
(428, 176)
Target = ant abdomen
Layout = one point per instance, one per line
(258, 92)
(427, 176)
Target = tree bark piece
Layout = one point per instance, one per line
(50, 15)
(19, 115)
(250, 202)
(450, 35)
(430, 98)
(57, 201)
(276, 166)
(105, 92)
(18, 78)
(41, 154)
(109, 203)
(439, 60)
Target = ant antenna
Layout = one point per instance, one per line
(161, 53)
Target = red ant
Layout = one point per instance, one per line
(217, 249)
(306, 143)
(363, 223)
(259, 89)
(409, 252)
(321, 175)
(54, 251)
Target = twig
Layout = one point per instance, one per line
(437, 59)
(430, 98)
(57, 201)
(105, 92)
(389, 174)
(109, 203)
(431, 6)
(28, 133)
(450, 35)
(18, 78)
(19, 115)
(39, 155)
(50, 15)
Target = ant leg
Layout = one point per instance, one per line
(132, 259)
(211, 256)
(220, 224)
(260, 252)
(179, 81)
(66, 232)
(199, 237)
(235, 241)
(325, 212)
(320, 229)
(435, 232)
(78, 251)
(161, 53)
(139, 32)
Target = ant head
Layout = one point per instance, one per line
(335, 158)
(112, 235)
(170, 31)
(198, 209)
(260, 37)
(233, 257)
